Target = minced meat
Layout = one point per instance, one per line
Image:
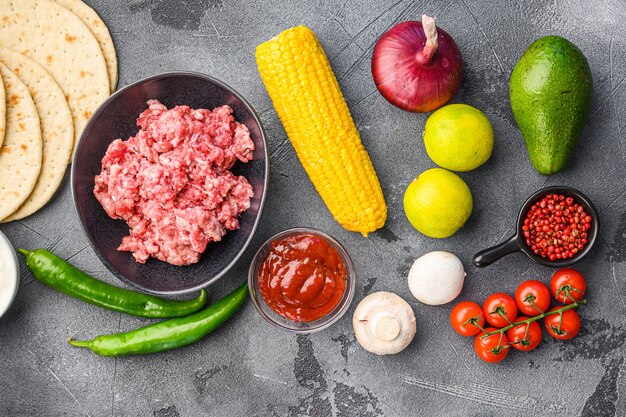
(172, 184)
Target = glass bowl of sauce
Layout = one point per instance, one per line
(301, 280)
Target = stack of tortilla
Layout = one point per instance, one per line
(57, 65)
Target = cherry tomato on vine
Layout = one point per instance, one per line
(567, 283)
(532, 297)
(492, 348)
(563, 328)
(465, 316)
(525, 336)
(500, 309)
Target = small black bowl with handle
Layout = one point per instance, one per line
(117, 118)
(517, 242)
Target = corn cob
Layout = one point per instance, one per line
(314, 113)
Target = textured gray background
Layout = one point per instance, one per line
(249, 368)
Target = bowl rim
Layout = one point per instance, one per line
(582, 198)
(255, 226)
(320, 324)
(16, 267)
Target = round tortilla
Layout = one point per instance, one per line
(60, 42)
(100, 31)
(20, 154)
(57, 129)
(3, 112)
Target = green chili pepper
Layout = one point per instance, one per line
(60, 275)
(168, 334)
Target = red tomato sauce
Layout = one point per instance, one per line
(302, 277)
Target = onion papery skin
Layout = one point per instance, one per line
(404, 78)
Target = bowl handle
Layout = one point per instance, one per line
(489, 256)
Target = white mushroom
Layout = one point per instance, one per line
(384, 323)
(436, 278)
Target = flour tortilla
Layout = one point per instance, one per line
(59, 41)
(57, 129)
(20, 154)
(99, 30)
(3, 112)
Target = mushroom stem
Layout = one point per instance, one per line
(385, 326)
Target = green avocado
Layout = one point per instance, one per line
(551, 95)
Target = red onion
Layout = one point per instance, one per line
(417, 66)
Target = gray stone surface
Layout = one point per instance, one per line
(248, 368)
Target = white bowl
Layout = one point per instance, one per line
(9, 274)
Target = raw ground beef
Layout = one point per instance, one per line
(171, 182)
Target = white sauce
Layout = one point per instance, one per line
(8, 274)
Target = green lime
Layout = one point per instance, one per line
(458, 137)
(438, 203)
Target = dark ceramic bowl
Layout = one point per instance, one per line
(517, 243)
(116, 119)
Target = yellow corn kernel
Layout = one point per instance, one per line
(314, 113)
